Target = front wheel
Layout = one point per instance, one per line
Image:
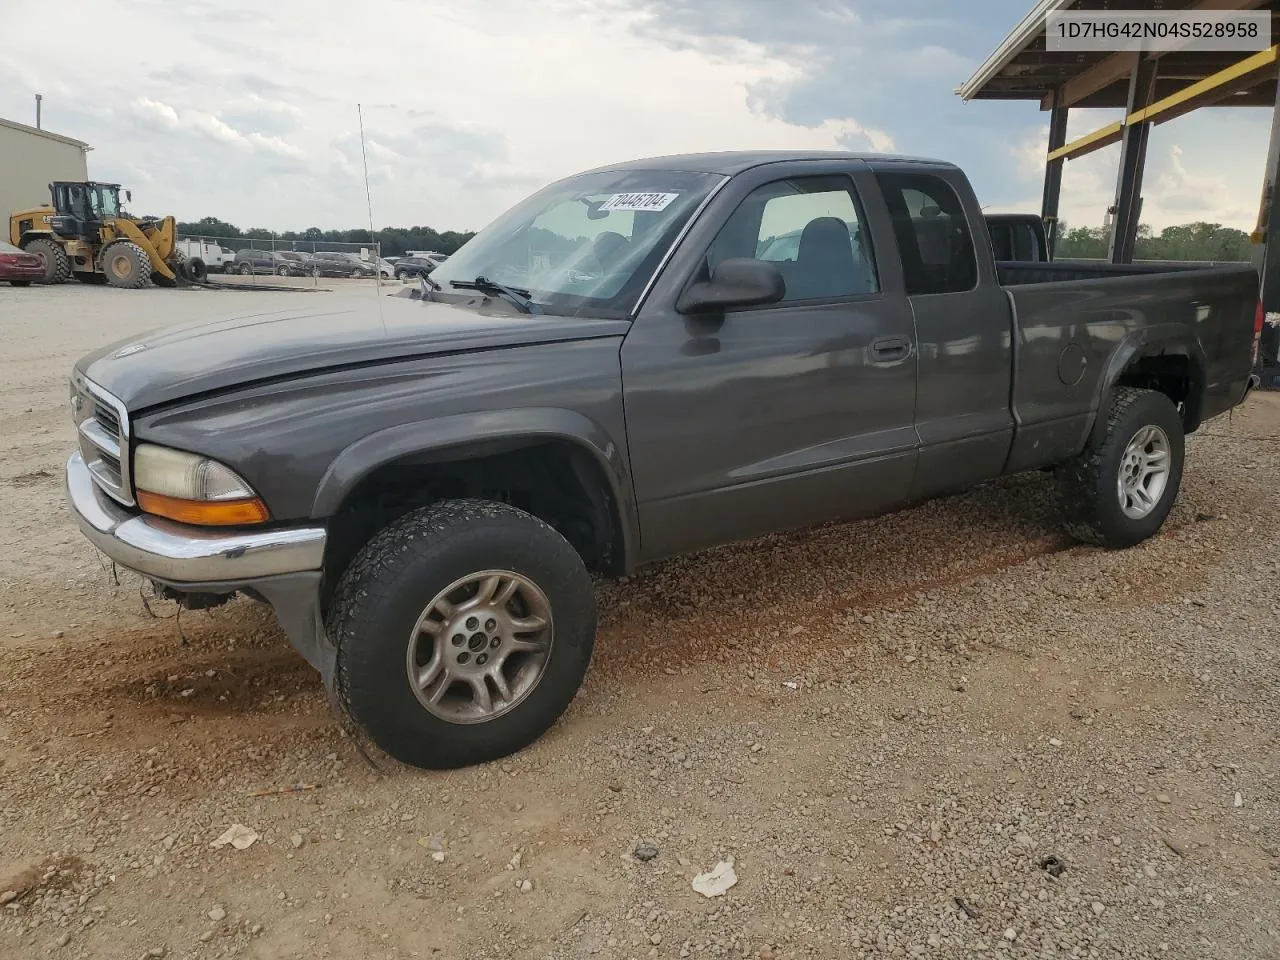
(245, 270)
(126, 265)
(463, 630)
(1120, 490)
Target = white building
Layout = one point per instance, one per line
(29, 160)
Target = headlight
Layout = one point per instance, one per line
(193, 489)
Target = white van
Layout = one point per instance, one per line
(215, 256)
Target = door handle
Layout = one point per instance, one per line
(890, 348)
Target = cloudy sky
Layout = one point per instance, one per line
(246, 110)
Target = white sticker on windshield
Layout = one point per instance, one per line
(638, 201)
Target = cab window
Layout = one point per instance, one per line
(810, 229)
(932, 233)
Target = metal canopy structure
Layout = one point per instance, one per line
(1151, 87)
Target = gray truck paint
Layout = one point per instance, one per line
(705, 429)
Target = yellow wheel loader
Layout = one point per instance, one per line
(87, 235)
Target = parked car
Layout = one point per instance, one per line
(292, 263)
(18, 267)
(327, 263)
(284, 263)
(421, 485)
(409, 267)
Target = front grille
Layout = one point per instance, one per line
(108, 418)
(103, 427)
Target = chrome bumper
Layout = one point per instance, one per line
(177, 553)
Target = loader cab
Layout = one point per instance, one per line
(81, 208)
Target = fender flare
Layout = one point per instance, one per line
(454, 434)
(1162, 339)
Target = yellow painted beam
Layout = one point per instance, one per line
(1206, 91)
(1102, 137)
(1192, 96)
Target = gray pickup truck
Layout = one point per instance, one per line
(634, 362)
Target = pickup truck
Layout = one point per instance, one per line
(622, 368)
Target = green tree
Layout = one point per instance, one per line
(209, 227)
(1192, 242)
(1196, 241)
(1080, 243)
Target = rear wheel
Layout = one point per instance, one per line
(57, 265)
(196, 270)
(464, 630)
(245, 269)
(126, 265)
(1121, 489)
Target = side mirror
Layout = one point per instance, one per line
(737, 282)
(128, 196)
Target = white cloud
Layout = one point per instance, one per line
(248, 112)
(158, 114)
(1176, 189)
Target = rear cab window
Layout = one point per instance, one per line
(932, 233)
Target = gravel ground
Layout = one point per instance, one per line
(945, 733)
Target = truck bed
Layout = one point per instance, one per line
(1076, 325)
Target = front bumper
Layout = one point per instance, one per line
(177, 553)
(281, 566)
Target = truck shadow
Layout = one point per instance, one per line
(687, 609)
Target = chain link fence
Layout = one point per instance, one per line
(272, 262)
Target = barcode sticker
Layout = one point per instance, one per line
(638, 201)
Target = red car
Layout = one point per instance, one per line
(18, 267)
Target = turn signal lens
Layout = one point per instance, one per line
(207, 513)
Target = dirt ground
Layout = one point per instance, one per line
(945, 733)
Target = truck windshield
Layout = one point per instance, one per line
(583, 246)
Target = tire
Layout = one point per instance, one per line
(197, 271)
(401, 275)
(57, 265)
(380, 601)
(1098, 506)
(126, 265)
(245, 270)
(282, 271)
(177, 262)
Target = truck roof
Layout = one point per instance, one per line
(732, 162)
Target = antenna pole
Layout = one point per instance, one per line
(368, 197)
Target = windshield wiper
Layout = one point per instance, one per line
(519, 298)
(428, 284)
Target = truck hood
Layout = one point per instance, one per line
(179, 362)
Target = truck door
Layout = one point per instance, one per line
(779, 416)
(964, 326)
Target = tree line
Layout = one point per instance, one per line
(1188, 241)
(395, 241)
